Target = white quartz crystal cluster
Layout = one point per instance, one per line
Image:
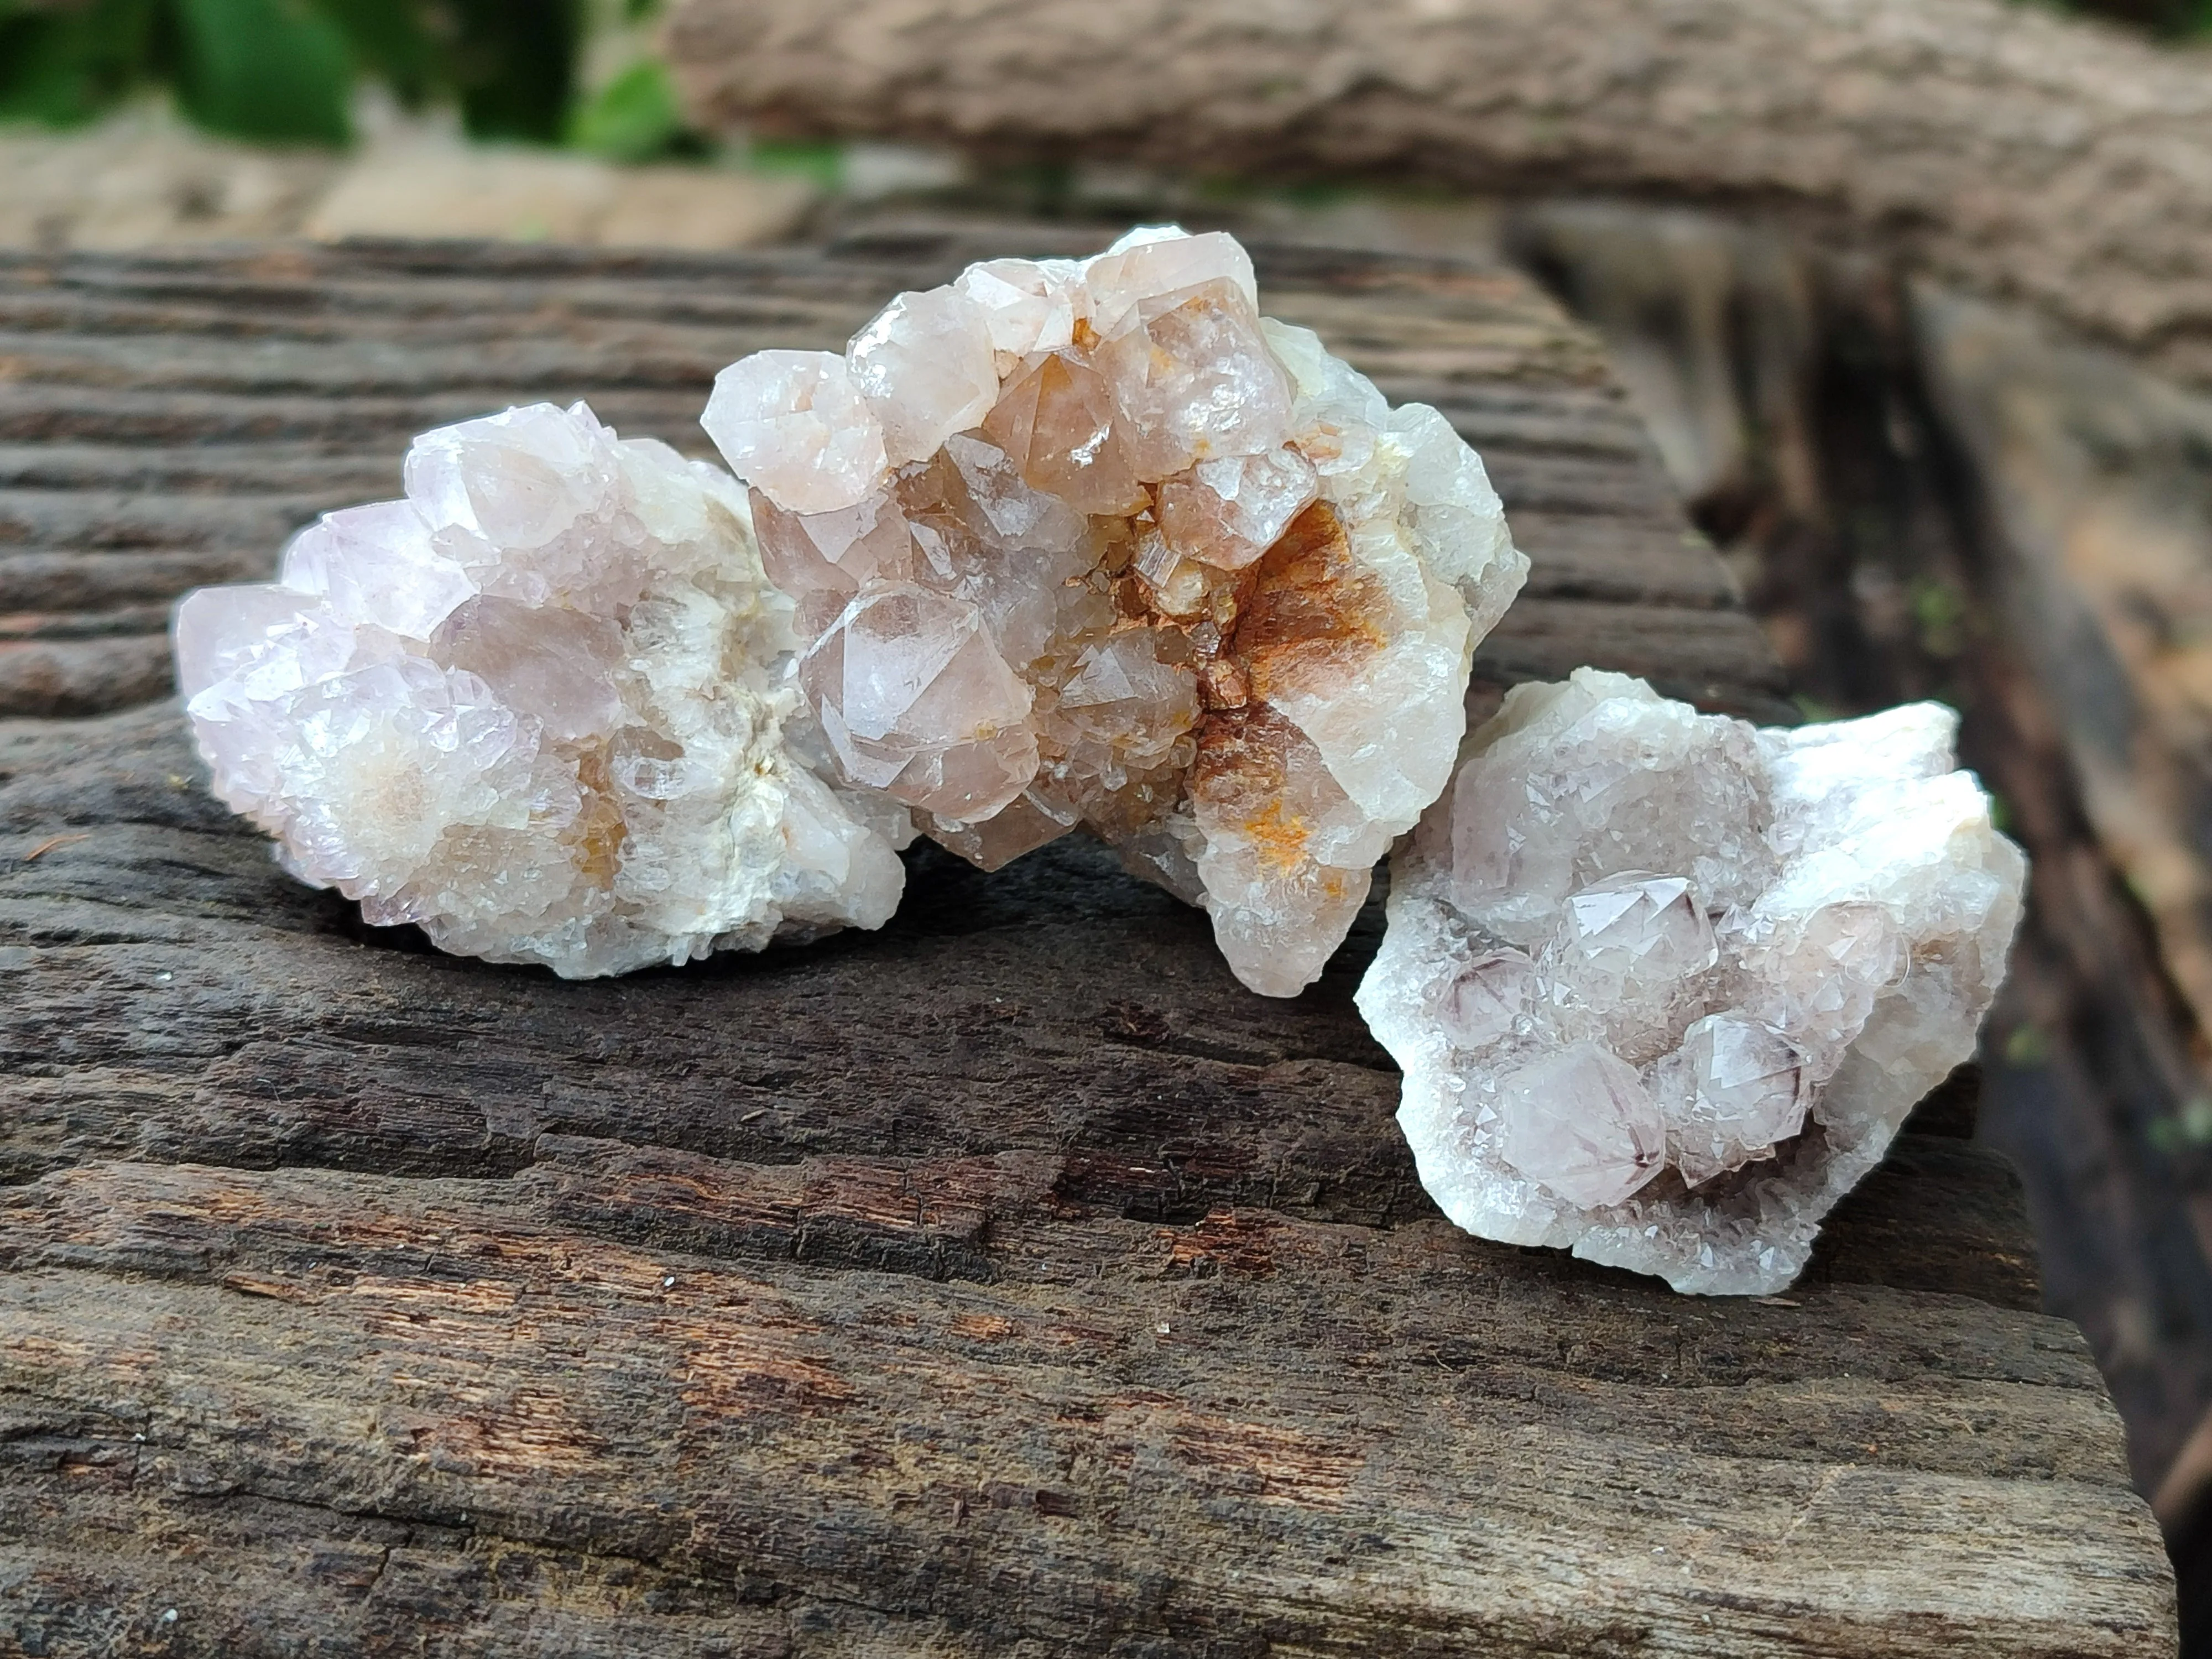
(1096, 544)
(541, 707)
(1663, 985)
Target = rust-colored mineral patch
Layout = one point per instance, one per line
(1314, 610)
(1244, 774)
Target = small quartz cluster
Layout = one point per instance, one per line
(1664, 984)
(1096, 544)
(541, 707)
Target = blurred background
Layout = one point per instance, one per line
(1930, 479)
(134, 122)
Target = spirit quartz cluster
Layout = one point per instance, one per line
(1098, 544)
(1663, 985)
(539, 707)
(1058, 544)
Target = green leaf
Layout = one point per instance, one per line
(1814, 712)
(63, 65)
(2028, 1046)
(2174, 19)
(513, 64)
(392, 40)
(264, 69)
(819, 160)
(283, 70)
(635, 117)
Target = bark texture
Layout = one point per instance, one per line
(1007, 1282)
(2013, 152)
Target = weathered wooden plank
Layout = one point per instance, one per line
(1009, 1281)
(369, 1245)
(84, 673)
(169, 420)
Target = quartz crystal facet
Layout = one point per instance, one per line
(1664, 984)
(1098, 544)
(541, 706)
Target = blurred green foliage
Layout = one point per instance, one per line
(2176, 19)
(260, 69)
(820, 161)
(635, 117)
(284, 70)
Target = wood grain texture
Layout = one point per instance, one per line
(2020, 155)
(1009, 1281)
(168, 421)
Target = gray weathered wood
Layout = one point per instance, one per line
(1009, 1281)
(167, 421)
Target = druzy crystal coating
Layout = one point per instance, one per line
(1664, 984)
(1096, 544)
(541, 707)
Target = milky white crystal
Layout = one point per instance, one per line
(1096, 544)
(541, 706)
(1664, 986)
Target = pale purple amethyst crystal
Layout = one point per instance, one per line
(541, 706)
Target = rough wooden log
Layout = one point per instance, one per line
(2016, 153)
(1008, 1282)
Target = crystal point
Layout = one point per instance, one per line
(796, 426)
(926, 366)
(1581, 1124)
